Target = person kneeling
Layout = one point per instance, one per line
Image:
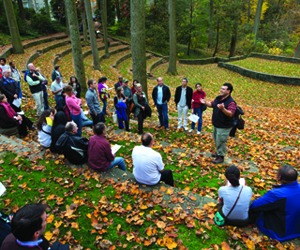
(100, 154)
(234, 200)
(148, 167)
(73, 147)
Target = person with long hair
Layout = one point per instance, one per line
(44, 127)
(73, 104)
(12, 123)
(133, 90)
(76, 86)
(103, 93)
(58, 128)
(234, 193)
(120, 105)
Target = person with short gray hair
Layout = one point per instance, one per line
(183, 101)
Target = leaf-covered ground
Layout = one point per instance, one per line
(89, 212)
(270, 67)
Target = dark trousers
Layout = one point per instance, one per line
(167, 177)
(233, 131)
(127, 111)
(140, 122)
(26, 123)
(96, 119)
(46, 104)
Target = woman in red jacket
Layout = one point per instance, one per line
(197, 106)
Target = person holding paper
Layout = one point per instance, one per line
(12, 123)
(44, 127)
(161, 96)
(100, 153)
(224, 107)
(198, 107)
(10, 89)
(228, 199)
(35, 80)
(183, 101)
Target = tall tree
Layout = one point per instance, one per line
(66, 16)
(118, 10)
(92, 34)
(235, 17)
(104, 26)
(21, 10)
(297, 51)
(13, 27)
(191, 27)
(211, 19)
(138, 43)
(47, 7)
(83, 19)
(76, 44)
(172, 38)
(257, 17)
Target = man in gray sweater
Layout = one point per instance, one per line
(92, 101)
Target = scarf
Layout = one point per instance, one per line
(9, 110)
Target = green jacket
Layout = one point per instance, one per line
(53, 76)
(138, 106)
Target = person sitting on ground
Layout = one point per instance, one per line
(103, 93)
(5, 221)
(277, 212)
(44, 127)
(28, 226)
(45, 92)
(228, 195)
(10, 122)
(74, 104)
(119, 102)
(76, 86)
(16, 76)
(100, 154)
(74, 148)
(148, 167)
(9, 88)
(58, 128)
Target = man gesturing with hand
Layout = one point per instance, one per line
(224, 107)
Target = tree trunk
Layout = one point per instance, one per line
(138, 43)
(47, 8)
(234, 39)
(13, 27)
(67, 23)
(76, 44)
(217, 39)
(118, 10)
(104, 26)
(21, 10)
(257, 17)
(211, 15)
(191, 27)
(249, 11)
(297, 51)
(172, 38)
(89, 13)
(83, 19)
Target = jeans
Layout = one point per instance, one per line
(118, 161)
(38, 97)
(220, 137)
(78, 120)
(104, 107)
(85, 121)
(46, 104)
(20, 93)
(198, 111)
(163, 114)
(182, 110)
(57, 98)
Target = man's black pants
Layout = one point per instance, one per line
(167, 177)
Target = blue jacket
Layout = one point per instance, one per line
(278, 212)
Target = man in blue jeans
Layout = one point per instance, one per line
(161, 95)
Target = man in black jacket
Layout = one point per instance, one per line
(224, 108)
(161, 96)
(73, 147)
(9, 88)
(119, 83)
(183, 101)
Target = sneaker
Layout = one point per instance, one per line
(220, 159)
(214, 155)
(191, 130)
(198, 132)
(167, 129)
(185, 128)
(179, 127)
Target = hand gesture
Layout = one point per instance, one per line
(143, 108)
(221, 106)
(15, 96)
(34, 75)
(202, 101)
(95, 113)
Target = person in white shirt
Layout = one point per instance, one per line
(148, 167)
(228, 195)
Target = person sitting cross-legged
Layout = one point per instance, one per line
(28, 226)
(74, 148)
(148, 167)
(100, 154)
(277, 213)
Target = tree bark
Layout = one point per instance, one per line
(257, 17)
(172, 38)
(89, 13)
(234, 39)
(138, 43)
(118, 10)
(249, 11)
(67, 22)
(76, 44)
(104, 26)
(217, 39)
(297, 52)
(21, 10)
(47, 8)
(211, 15)
(191, 27)
(83, 19)
(13, 27)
